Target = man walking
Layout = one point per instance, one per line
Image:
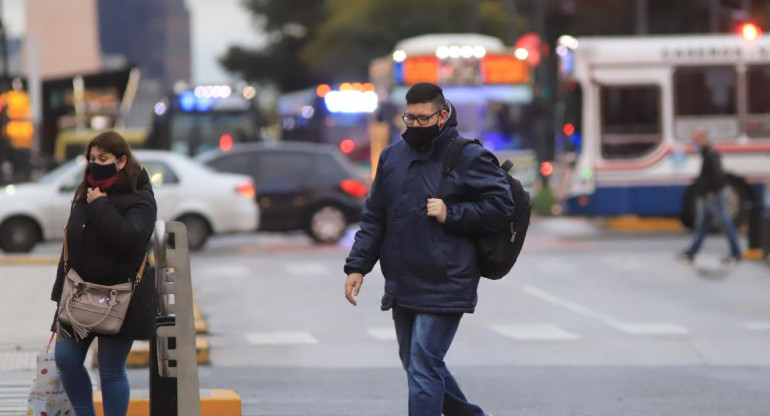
(424, 245)
(710, 197)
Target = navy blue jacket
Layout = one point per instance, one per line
(428, 266)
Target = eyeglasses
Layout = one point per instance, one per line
(409, 119)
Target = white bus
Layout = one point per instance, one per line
(626, 110)
(488, 85)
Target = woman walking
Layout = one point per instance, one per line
(110, 224)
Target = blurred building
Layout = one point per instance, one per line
(66, 35)
(153, 34)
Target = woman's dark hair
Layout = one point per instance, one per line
(112, 142)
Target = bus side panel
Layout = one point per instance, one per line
(645, 201)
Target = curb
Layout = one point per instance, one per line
(27, 260)
(214, 402)
(753, 254)
(140, 353)
(633, 223)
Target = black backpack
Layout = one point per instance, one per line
(496, 252)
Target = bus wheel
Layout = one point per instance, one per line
(737, 198)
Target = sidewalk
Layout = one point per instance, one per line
(26, 314)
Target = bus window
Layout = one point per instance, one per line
(758, 122)
(631, 124)
(705, 97)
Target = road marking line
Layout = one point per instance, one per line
(651, 328)
(385, 333)
(639, 328)
(534, 332)
(281, 338)
(306, 268)
(756, 326)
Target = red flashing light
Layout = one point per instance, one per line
(568, 129)
(246, 190)
(354, 187)
(347, 146)
(322, 90)
(546, 168)
(749, 31)
(226, 142)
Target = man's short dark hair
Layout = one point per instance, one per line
(425, 92)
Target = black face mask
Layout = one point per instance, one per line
(102, 172)
(420, 137)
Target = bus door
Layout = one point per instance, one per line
(623, 141)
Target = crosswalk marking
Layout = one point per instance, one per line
(302, 269)
(756, 326)
(534, 332)
(650, 328)
(383, 333)
(13, 399)
(281, 338)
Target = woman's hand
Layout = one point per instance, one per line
(93, 193)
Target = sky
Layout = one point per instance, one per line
(214, 25)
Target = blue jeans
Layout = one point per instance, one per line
(423, 341)
(112, 355)
(715, 204)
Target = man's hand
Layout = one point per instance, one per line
(93, 193)
(437, 209)
(352, 286)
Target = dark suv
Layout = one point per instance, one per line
(300, 186)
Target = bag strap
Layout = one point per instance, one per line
(451, 159)
(65, 254)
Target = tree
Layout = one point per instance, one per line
(287, 24)
(358, 31)
(311, 41)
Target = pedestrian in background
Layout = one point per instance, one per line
(110, 224)
(424, 244)
(710, 198)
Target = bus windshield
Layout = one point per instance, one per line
(193, 133)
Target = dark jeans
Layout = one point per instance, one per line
(112, 355)
(423, 341)
(716, 205)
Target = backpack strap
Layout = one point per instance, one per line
(451, 159)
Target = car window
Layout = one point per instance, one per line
(327, 169)
(234, 163)
(160, 174)
(279, 169)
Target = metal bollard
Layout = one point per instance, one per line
(174, 386)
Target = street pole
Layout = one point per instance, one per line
(474, 16)
(641, 17)
(510, 7)
(715, 11)
(6, 168)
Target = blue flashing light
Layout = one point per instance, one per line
(204, 104)
(398, 73)
(187, 101)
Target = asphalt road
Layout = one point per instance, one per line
(589, 323)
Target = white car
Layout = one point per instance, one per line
(206, 201)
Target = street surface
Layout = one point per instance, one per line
(590, 323)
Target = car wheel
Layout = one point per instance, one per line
(198, 231)
(327, 224)
(19, 235)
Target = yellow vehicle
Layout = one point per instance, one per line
(71, 143)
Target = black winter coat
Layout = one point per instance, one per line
(712, 177)
(107, 241)
(428, 266)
